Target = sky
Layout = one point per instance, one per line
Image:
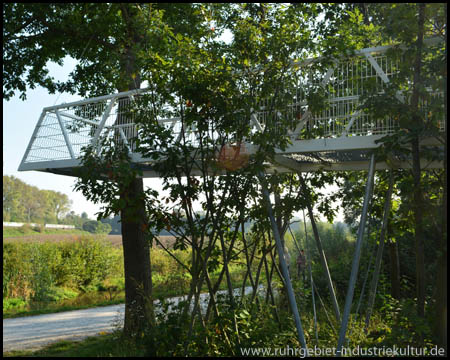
(20, 119)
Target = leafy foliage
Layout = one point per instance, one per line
(96, 227)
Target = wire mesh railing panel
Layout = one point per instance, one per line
(326, 98)
(49, 143)
(318, 101)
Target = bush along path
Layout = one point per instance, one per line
(34, 332)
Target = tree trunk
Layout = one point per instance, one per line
(418, 198)
(395, 270)
(136, 248)
(440, 327)
(136, 254)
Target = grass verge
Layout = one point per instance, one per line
(94, 346)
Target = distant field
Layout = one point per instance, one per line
(9, 232)
(116, 240)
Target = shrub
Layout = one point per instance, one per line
(58, 294)
(26, 228)
(39, 228)
(161, 262)
(406, 326)
(96, 227)
(16, 270)
(88, 262)
(34, 270)
(103, 228)
(13, 303)
(42, 278)
(90, 226)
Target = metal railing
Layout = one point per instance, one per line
(63, 130)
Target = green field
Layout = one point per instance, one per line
(61, 271)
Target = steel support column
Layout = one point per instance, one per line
(356, 257)
(323, 258)
(374, 282)
(284, 269)
(314, 304)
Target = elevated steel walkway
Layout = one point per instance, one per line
(337, 138)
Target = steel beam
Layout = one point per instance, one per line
(356, 257)
(103, 121)
(64, 132)
(284, 269)
(374, 282)
(330, 144)
(33, 137)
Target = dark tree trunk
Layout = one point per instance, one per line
(136, 247)
(136, 251)
(395, 270)
(418, 198)
(440, 328)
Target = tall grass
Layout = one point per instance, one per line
(51, 272)
(42, 277)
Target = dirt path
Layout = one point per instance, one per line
(34, 332)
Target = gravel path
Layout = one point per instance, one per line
(34, 332)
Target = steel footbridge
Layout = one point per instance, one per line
(339, 137)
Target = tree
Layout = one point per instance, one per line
(96, 227)
(13, 209)
(422, 70)
(213, 87)
(414, 99)
(104, 38)
(73, 219)
(56, 205)
(194, 78)
(114, 222)
(109, 40)
(22, 202)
